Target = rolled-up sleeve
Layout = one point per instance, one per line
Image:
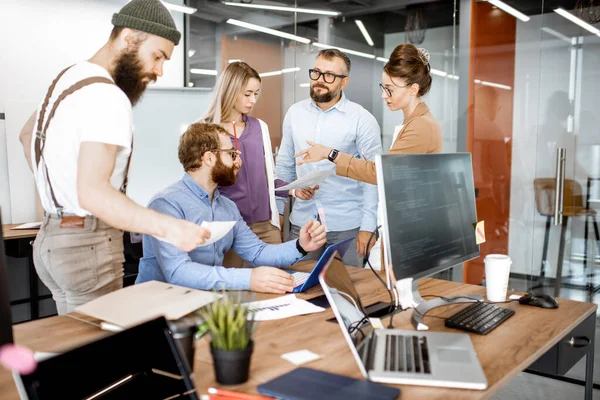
(179, 269)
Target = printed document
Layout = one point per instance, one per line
(311, 179)
(281, 307)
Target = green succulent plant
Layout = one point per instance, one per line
(226, 320)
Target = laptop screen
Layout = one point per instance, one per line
(5, 316)
(142, 362)
(347, 307)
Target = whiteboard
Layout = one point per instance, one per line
(159, 119)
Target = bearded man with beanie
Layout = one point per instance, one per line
(79, 143)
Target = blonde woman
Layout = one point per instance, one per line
(235, 95)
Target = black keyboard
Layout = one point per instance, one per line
(479, 318)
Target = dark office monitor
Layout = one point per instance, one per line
(429, 214)
(142, 362)
(6, 335)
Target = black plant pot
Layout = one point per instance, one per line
(232, 367)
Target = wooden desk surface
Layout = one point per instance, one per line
(9, 233)
(503, 353)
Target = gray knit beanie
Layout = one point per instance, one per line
(149, 16)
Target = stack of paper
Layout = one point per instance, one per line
(138, 303)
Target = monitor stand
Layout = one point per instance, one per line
(409, 297)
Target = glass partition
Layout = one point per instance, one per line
(282, 44)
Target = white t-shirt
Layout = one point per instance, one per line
(96, 113)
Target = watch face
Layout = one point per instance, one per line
(332, 155)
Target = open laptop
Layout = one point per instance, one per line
(142, 362)
(399, 356)
(305, 280)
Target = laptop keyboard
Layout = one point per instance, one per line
(300, 278)
(406, 353)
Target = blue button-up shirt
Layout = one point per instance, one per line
(202, 267)
(349, 128)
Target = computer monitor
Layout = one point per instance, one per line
(429, 215)
(6, 334)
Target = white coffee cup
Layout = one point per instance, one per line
(497, 270)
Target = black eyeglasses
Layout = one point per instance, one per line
(328, 77)
(388, 91)
(232, 152)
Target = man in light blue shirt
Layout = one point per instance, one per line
(208, 157)
(346, 207)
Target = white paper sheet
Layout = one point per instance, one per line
(29, 225)
(217, 229)
(300, 357)
(281, 307)
(138, 303)
(311, 179)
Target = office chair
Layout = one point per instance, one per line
(545, 192)
(133, 252)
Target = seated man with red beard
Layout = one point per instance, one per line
(210, 161)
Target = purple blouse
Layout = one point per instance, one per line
(251, 192)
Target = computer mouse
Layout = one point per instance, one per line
(538, 300)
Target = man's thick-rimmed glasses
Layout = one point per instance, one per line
(232, 152)
(328, 77)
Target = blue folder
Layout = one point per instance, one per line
(309, 384)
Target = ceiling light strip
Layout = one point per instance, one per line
(353, 52)
(180, 8)
(510, 10)
(364, 32)
(269, 31)
(282, 8)
(565, 14)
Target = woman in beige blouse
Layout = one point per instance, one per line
(406, 78)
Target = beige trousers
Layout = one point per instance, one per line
(265, 231)
(78, 264)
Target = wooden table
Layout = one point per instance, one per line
(503, 353)
(17, 245)
(9, 233)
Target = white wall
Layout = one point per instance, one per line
(39, 39)
(159, 119)
(442, 98)
(549, 74)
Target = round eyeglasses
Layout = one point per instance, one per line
(232, 152)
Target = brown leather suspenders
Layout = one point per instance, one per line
(40, 134)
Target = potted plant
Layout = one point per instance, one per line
(228, 323)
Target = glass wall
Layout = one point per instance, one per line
(513, 83)
(219, 33)
(532, 116)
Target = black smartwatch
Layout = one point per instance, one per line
(332, 155)
(300, 249)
